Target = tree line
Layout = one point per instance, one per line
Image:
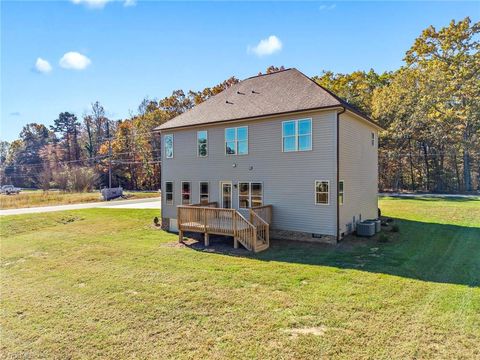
(430, 109)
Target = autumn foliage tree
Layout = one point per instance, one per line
(429, 107)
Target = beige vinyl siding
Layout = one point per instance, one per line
(358, 170)
(288, 178)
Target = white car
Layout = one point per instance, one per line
(9, 189)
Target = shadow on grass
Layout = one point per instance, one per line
(422, 251)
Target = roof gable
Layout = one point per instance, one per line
(280, 92)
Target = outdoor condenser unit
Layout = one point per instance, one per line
(366, 228)
(378, 224)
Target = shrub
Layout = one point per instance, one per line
(44, 180)
(82, 179)
(383, 238)
(60, 177)
(156, 221)
(395, 228)
(75, 179)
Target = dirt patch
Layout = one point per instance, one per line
(218, 244)
(68, 219)
(316, 331)
(174, 244)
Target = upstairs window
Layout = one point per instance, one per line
(322, 192)
(168, 146)
(169, 193)
(297, 135)
(204, 193)
(236, 141)
(186, 193)
(373, 139)
(202, 143)
(250, 194)
(341, 193)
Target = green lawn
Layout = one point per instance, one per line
(105, 283)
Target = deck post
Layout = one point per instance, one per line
(235, 239)
(179, 225)
(207, 239)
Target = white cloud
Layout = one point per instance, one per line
(267, 46)
(128, 3)
(92, 4)
(42, 66)
(100, 4)
(327, 7)
(74, 60)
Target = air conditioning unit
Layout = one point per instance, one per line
(378, 224)
(366, 229)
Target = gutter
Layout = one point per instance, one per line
(267, 116)
(338, 171)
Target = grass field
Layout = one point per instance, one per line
(106, 283)
(46, 198)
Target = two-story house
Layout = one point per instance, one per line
(276, 142)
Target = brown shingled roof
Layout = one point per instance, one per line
(276, 93)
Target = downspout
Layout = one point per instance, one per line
(338, 172)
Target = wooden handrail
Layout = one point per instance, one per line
(209, 204)
(264, 211)
(261, 226)
(221, 221)
(245, 234)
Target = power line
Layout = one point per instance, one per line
(47, 162)
(114, 162)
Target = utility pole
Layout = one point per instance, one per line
(109, 155)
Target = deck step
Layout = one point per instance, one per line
(261, 246)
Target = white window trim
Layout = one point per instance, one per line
(173, 193)
(181, 192)
(249, 192)
(340, 192)
(221, 182)
(296, 135)
(165, 146)
(236, 141)
(315, 193)
(200, 191)
(198, 147)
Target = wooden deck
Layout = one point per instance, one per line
(253, 234)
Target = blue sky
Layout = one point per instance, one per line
(119, 52)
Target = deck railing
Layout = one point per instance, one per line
(245, 232)
(262, 227)
(208, 219)
(265, 212)
(212, 204)
(219, 221)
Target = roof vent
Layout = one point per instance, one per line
(240, 93)
(228, 102)
(255, 92)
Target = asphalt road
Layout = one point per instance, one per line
(151, 203)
